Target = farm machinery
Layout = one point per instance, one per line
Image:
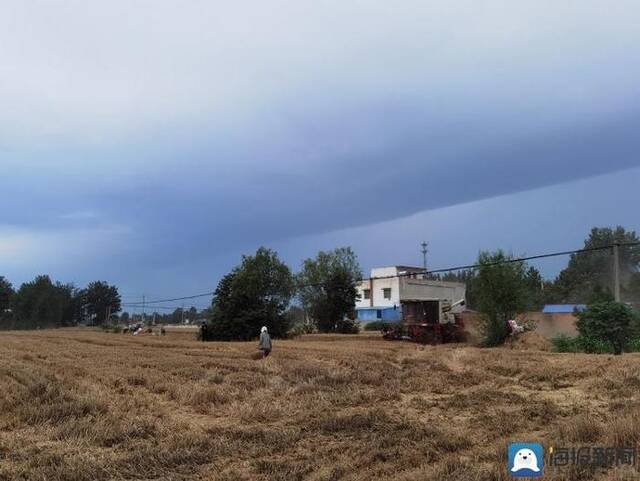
(429, 322)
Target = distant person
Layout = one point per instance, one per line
(204, 332)
(265, 342)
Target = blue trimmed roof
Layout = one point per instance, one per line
(563, 308)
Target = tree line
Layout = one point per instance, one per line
(179, 315)
(43, 303)
(262, 290)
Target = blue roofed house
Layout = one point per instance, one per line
(388, 288)
(563, 308)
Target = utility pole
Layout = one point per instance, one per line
(182, 314)
(616, 271)
(143, 301)
(424, 255)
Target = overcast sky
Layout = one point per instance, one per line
(151, 143)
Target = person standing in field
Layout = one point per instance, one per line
(265, 342)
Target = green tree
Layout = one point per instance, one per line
(6, 293)
(535, 287)
(295, 315)
(501, 289)
(176, 316)
(254, 294)
(124, 317)
(6, 296)
(77, 311)
(607, 321)
(99, 299)
(327, 289)
(589, 274)
(41, 303)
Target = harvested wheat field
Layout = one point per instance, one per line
(85, 405)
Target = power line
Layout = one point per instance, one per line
(171, 308)
(432, 271)
(490, 264)
(524, 259)
(578, 251)
(159, 301)
(124, 304)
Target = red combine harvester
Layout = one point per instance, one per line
(428, 322)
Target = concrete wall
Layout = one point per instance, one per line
(553, 324)
(383, 271)
(548, 325)
(425, 290)
(362, 302)
(378, 293)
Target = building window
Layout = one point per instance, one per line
(367, 293)
(379, 314)
(386, 293)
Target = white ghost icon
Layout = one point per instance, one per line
(525, 459)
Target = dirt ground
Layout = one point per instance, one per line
(85, 405)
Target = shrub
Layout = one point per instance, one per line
(591, 345)
(378, 325)
(634, 345)
(114, 328)
(301, 328)
(494, 331)
(607, 322)
(565, 343)
(348, 326)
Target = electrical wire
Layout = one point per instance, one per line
(419, 271)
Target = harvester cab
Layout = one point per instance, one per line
(429, 322)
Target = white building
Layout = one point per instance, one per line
(382, 295)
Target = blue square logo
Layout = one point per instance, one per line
(526, 460)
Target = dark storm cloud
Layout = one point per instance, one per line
(217, 211)
(184, 212)
(184, 131)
